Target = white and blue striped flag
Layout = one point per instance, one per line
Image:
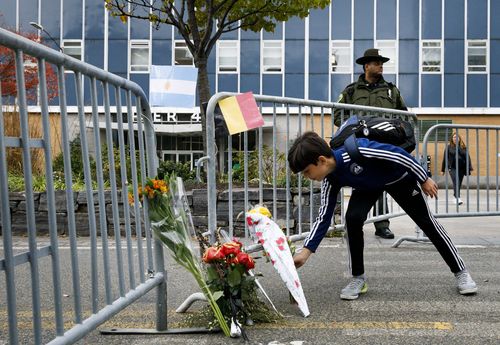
(172, 86)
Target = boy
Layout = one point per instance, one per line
(383, 167)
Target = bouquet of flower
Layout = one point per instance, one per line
(227, 276)
(170, 224)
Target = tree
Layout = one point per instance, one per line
(9, 93)
(201, 23)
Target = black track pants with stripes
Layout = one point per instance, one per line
(408, 194)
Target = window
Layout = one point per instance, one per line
(72, 48)
(139, 56)
(388, 49)
(476, 56)
(228, 56)
(272, 56)
(443, 134)
(182, 55)
(341, 57)
(431, 56)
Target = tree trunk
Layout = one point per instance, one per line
(204, 96)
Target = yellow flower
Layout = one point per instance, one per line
(130, 198)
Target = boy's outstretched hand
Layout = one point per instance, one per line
(300, 258)
(430, 188)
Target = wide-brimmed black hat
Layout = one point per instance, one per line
(371, 54)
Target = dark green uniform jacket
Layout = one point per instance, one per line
(381, 94)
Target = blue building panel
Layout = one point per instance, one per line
(228, 83)
(72, 19)
(339, 82)
(294, 85)
(277, 34)
(477, 19)
(341, 19)
(318, 57)
(477, 90)
(250, 82)
(431, 90)
(408, 18)
(318, 23)
(94, 28)
(69, 79)
(250, 56)
(117, 29)
(271, 84)
(27, 13)
(454, 59)
(359, 49)
(408, 56)
(295, 29)
(431, 19)
(249, 35)
(117, 56)
(494, 54)
(453, 19)
(494, 90)
(141, 79)
(494, 24)
(408, 86)
(453, 90)
(294, 56)
(386, 20)
(94, 52)
(139, 28)
(363, 28)
(318, 87)
(161, 52)
(163, 32)
(211, 66)
(8, 14)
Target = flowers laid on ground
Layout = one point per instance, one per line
(227, 274)
(223, 274)
(169, 223)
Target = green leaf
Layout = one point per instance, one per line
(212, 274)
(234, 278)
(217, 295)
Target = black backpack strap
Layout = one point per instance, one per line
(351, 147)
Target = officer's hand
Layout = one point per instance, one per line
(300, 258)
(430, 188)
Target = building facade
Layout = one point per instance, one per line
(442, 55)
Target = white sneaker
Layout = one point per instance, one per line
(460, 202)
(356, 286)
(465, 284)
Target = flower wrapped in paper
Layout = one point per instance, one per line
(266, 232)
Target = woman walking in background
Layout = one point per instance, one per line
(450, 163)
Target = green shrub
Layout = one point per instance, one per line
(182, 170)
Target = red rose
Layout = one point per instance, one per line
(246, 260)
(212, 254)
(229, 248)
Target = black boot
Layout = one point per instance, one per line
(384, 233)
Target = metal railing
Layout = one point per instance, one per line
(283, 124)
(137, 273)
(481, 180)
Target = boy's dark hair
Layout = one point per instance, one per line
(306, 150)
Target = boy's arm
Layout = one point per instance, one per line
(321, 224)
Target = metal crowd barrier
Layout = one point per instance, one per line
(307, 115)
(116, 281)
(479, 189)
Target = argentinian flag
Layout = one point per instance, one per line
(172, 86)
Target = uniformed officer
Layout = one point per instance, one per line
(372, 90)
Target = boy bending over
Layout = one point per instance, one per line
(384, 167)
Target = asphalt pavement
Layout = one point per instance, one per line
(411, 299)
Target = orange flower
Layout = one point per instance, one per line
(130, 198)
(246, 260)
(229, 248)
(212, 254)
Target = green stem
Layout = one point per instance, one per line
(213, 304)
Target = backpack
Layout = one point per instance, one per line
(390, 131)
